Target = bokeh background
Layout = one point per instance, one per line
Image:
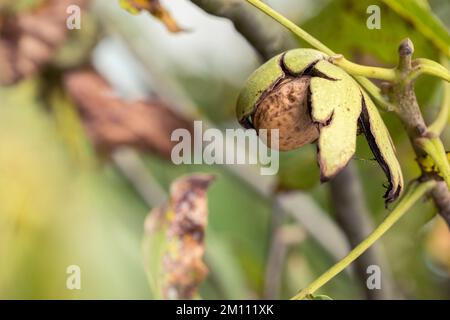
(67, 199)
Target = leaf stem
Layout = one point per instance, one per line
(443, 116)
(435, 149)
(408, 200)
(288, 24)
(365, 71)
(427, 66)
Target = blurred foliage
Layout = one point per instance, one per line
(298, 169)
(55, 213)
(442, 10)
(19, 5)
(78, 47)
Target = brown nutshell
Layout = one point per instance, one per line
(286, 108)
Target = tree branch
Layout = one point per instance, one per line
(408, 110)
(441, 199)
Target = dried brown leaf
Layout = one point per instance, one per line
(174, 241)
(113, 122)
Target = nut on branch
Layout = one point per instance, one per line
(310, 100)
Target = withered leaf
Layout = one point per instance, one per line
(113, 122)
(174, 240)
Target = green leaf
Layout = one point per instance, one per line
(341, 25)
(424, 20)
(442, 9)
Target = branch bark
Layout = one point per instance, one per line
(441, 199)
(408, 110)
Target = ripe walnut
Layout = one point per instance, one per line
(310, 100)
(286, 108)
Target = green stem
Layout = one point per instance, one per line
(291, 26)
(302, 34)
(408, 200)
(427, 66)
(435, 149)
(365, 71)
(443, 116)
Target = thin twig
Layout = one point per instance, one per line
(129, 163)
(442, 118)
(407, 201)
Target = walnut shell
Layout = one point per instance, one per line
(286, 108)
